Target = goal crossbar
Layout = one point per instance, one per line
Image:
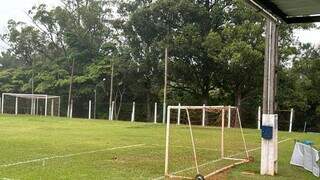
(31, 96)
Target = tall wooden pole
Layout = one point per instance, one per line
(165, 85)
(269, 147)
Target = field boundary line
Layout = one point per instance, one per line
(204, 164)
(209, 149)
(70, 155)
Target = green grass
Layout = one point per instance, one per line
(24, 138)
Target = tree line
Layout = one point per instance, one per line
(215, 47)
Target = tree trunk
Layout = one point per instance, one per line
(70, 88)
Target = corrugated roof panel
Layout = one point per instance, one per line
(298, 7)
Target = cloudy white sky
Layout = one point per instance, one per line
(16, 9)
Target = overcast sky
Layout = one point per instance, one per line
(16, 9)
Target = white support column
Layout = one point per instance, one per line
(269, 148)
(155, 112)
(2, 103)
(133, 111)
(269, 145)
(46, 106)
(112, 110)
(16, 106)
(259, 118)
(204, 115)
(89, 113)
(291, 120)
(229, 116)
(179, 115)
(52, 107)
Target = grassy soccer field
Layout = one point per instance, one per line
(58, 148)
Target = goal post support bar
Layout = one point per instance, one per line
(223, 110)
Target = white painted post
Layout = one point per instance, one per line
(155, 112)
(166, 172)
(16, 107)
(2, 103)
(133, 111)
(305, 126)
(46, 106)
(291, 120)
(222, 133)
(259, 118)
(229, 116)
(269, 148)
(179, 114)
(71, 109)
(204, 115)
(89, 109)
(52, 107)
(112, 110)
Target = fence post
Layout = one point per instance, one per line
(89, 115)
(52, 106)
(229, 116)
(133, 111)
(259, 117)
(2, 103)
(204, 115)
(16, 107)
(291, 120)
(46, 106)
(179, 113)
(155, 112)
(59, 103)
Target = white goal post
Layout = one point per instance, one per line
(217, 109)
(34, 104)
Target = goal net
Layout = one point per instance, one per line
(203, 141)
(34, 104)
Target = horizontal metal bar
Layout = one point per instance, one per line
(201, 107)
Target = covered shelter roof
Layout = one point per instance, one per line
(289, 11)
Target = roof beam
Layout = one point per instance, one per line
(304, 19)
(261, 10)
(275, 10)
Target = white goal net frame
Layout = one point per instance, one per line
(33, 104)
(222, 110)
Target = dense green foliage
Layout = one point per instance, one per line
(216, 53)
